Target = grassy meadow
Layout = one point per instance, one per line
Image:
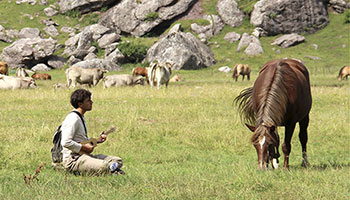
(184, 142)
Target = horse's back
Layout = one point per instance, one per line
(289, 80)
(242, 69)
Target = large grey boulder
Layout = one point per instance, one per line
(140, 17)
(12, 33)
(84, 6)
(29, 33)
(28, 52)
(56, 62)
(97, 30)
(98, 63)
(78, 45)
(49, 11)
(108, 39)
(83, 45)
(290, 16)
(254, 48)
(3, 36)
(214, 28)
(288, 40)
(251, 44)
(41, 67)
(232, 37)
(339, 6)
(181, 49)
(51, 31)
(229, 12)
(116, 56)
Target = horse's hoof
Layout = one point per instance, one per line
(305, 164)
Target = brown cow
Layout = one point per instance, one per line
(140, 71)
(39, 76)
(4, 69)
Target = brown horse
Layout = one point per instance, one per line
(280, 97)
(241, 69)
(344, 72)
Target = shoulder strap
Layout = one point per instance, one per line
(82, 120)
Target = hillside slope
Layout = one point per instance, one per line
(323, 52)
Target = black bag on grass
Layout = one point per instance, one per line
(56, 150)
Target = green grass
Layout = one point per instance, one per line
(185, 142)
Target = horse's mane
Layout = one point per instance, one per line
(273, 102)
(275, 97)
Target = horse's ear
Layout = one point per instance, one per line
(252, 128)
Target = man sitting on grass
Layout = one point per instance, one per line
(77, 157)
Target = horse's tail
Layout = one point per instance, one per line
(245, 106)
(340, 72)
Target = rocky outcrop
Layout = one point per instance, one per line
(140, 17)
(288, 40)
(290, 16)
(79, 44)
(41, 67)
(56, 62)
(51, 31)
(229, 12)
(50, 11)
(232, 37)
(3, 35)
(29, 33)
(339, 6)
(181, 49)
(84, 6)
(98, 63)
(28, 52)
(208, 31)
(251, 44)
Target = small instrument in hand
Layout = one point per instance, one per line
(93, 141)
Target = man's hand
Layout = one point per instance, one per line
(87, 148)
(102, 137)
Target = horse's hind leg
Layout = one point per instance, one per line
(287, 147)
(303, 124)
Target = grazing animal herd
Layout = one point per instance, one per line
(157, 74)
(280, 96)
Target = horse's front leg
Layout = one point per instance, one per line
(287, 147)
(303, 124)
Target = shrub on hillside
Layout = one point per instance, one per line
(133, 52)
(152, 16)
(347, 17)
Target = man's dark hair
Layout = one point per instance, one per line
(79, 95)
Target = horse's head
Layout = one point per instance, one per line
(266, 142)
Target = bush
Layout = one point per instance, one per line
(152, 16)
(133, 52)
(73, 13)
(347, 17)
